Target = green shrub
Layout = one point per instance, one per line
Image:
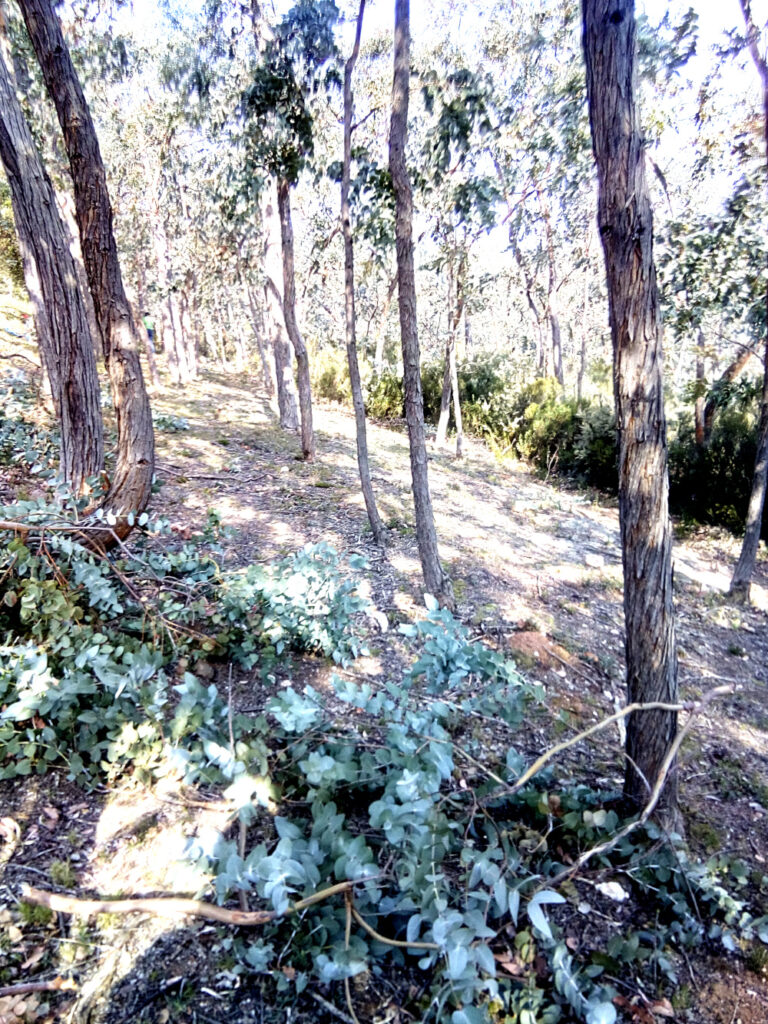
(385, 399)
(330, 375)
(712, 483)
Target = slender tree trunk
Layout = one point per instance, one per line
(625, 222)
(552, 312)
(745, 567)
(287, 404)
(741, 583)
(349, 296)
(61, 319)
(698, 411)
(584, 332)
(251, 308)
(291, 325)
(435, 579)
(132, 479)
(450, 370)
(381, 337)
(728, 375)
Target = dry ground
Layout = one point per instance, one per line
(536, 568)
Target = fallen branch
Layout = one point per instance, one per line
(655, 793)
(18, 355)
(693, 706)
(172, 906)
(397, 943)
(27, 987)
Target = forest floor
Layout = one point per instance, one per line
(536, 569)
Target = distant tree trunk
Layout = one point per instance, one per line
(132, 479)
(349, 295)
(289, 315)
(729, 375)
(435, 579)
(584, 331)
(287, 404)
(149, 347)
(552, 312)
(625, 222)
(745, 567)
(61, 319)
(256, 319)
(450, 371)
(698, 411)
(381, 337)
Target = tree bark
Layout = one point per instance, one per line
(625, 223)
(291, 325)
(132, 478)
(358, 401)
(437, 582)
(741, 582)
(61, 318)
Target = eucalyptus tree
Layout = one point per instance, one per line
(625, 223)
(296, 62)
(61, 320)
(131, 482)
(358, 400)
(745, 567)
(436, 580)
(458, 196)
(541, 158)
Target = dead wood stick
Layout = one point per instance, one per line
(389, 942)
(693, 706)
(172, 906)
(18, 355)
(653, 797)
(26, 987)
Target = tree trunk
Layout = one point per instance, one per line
(552, 285)
(625, 223)
(726, 377)
(381, 337)
(450, 371)
(437, 582)
(698, 410)
(132, 479)
(61, 319)
(745, 567)
(257, 326)
(287, 405)
(349, 296)
(741, 583)
(289, 315)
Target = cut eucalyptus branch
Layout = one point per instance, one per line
(173, 906)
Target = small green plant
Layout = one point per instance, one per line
(35, 916)
(170, 424)
(62, 873)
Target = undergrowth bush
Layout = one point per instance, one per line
(330, 375)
